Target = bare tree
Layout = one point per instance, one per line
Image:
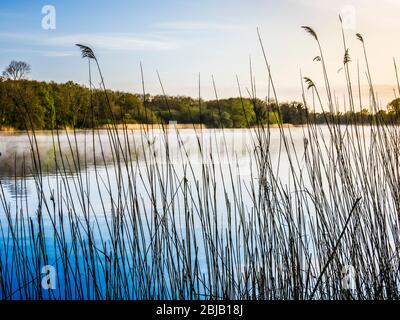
(17, 70)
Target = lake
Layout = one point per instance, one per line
(198, 213)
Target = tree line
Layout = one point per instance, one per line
(49, 105)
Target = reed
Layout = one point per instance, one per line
(134, 216)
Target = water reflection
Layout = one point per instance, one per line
(23, 156)
(17, 189)
(69, 152)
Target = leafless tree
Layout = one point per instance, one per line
(17, 70)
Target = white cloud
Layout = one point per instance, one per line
(45, 53)
(115, 41)
(58, 53)
(198, 25)
(109, 41)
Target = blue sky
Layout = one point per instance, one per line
(181, 38)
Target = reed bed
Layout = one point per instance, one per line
(315, 220)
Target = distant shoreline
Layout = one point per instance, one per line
(137, 127)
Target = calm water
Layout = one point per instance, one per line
(69, 154)
(80, 174)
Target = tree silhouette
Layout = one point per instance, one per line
(17, 70)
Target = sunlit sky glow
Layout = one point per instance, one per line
(182, 38)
